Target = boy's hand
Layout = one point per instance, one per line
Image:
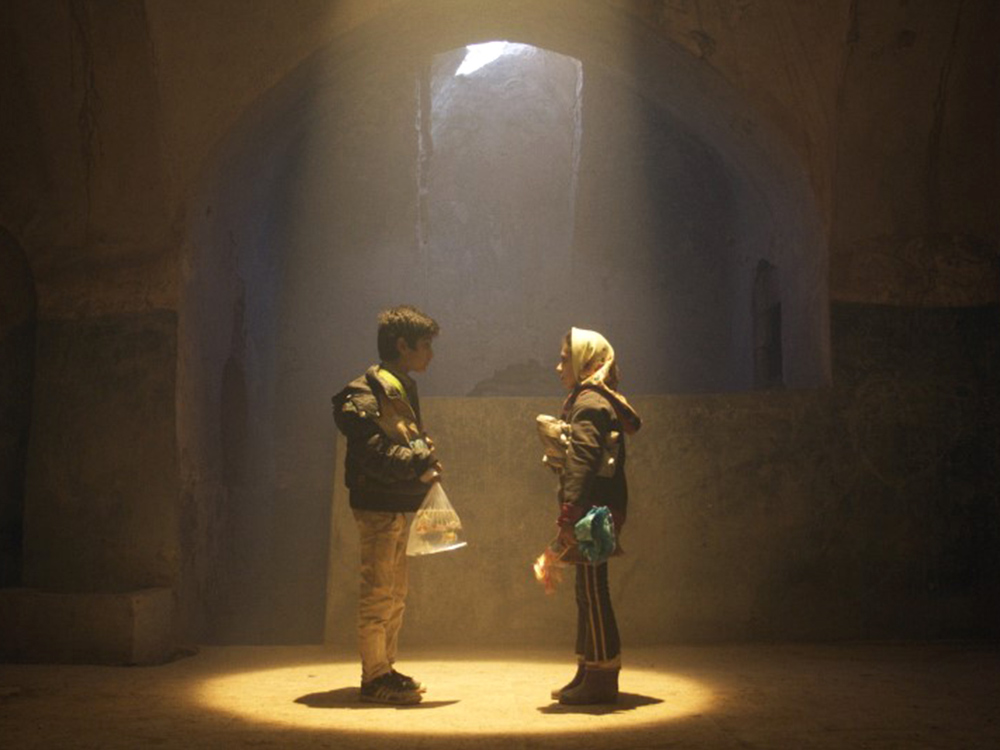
(433, 474)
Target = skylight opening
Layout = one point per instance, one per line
(478, 56)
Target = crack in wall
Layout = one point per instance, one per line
(425, 150)
(933, 212)
(90, 104)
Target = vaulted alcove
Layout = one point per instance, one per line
(601, 177)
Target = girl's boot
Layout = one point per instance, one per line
(597, 686)
(577, 679)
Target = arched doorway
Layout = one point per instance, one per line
(324, 205)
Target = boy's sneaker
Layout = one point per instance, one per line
(408, 682)
(388, 688)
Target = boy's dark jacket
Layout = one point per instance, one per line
(387, 450)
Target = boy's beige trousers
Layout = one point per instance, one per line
(382, 596)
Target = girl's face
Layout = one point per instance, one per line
(565, 367)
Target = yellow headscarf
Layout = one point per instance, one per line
(593, 360)
(592, 356)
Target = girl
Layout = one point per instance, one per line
(593, 475)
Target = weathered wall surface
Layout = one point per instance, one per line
(883, 118)
(918, 156)
(84, 168)
(84, 195)
(786, 56)
(17, 349)
(868, 510)
(314, 200)
(102, 472)
(893, 105)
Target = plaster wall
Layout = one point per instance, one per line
(917, 156)
(891, 533)
(827, 75)
(120, 114)
(101, 472)
(87, 190)
(17, 347)
(309, 221)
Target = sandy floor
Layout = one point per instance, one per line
(846, 696)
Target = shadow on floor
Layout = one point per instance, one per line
(626, 702)
(348, 697)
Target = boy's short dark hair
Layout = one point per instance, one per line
(406, 321)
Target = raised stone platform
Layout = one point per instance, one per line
(132, 627)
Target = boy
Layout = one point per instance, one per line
(390, 466)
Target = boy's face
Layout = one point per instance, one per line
(414, 359)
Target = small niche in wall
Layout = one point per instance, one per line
(767, 353)
(18, 310)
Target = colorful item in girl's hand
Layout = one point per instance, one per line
(595, 534)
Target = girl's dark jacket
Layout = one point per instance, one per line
(387, 449)
(595, 459)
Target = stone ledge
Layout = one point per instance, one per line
(133, 627)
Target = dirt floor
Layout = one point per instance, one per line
(940, 695)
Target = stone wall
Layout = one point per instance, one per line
(17, 355)
(102, 466)
(865, 510)
(177, 411)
